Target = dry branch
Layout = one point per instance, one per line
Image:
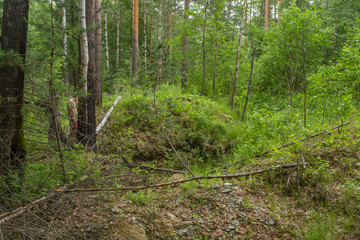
(19, 211)
(101, 125)
(285, 145)
(130, 165)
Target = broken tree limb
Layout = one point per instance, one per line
(285, 145)
(227, 176)
(19, 211)
(107, 115)
(130, 165)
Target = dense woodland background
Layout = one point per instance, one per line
(207, 82)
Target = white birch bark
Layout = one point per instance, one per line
(118, 37)
(106, 40)
(65, 42)
(145, 50)
(83, 43)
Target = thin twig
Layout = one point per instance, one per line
(130, 165)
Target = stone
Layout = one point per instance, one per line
(131, 231)
(176, 177)
(116, 209)
(228, 190)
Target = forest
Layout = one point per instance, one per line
(166, 119)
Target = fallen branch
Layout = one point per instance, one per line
(228, 176)
(284, 146)
(130, 165)
(19, 211)
(107, 115)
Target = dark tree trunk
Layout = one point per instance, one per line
(13, 41)
(249, 86)
(91, 77)
(204, 53)
(98, 92)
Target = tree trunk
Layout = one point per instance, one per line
(98, 59)
(150, 44)
(204, 53)
(13, 41)
(267, 6)
(279, 11)
(145, 40)
(83, 57)
(106, 40)
(135, 38)
(91, 77)
(185, 46)
(238, 57)
(214, 74)
(117, 16)
(249, 86)
(65, 42)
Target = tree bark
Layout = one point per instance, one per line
(91, 77)
(117, 16)
(203, 50)
(83, 57)
(214, 74)
(65, 42)
(145, 40)
(13, 41)
(135, 38)
(238, 57)
(279, 10)
(267, 6)
(249, 86)
(185, 46)
(106, 40)
(98, 55)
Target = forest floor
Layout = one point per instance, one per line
(318, 202)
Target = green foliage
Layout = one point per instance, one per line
(141, 198)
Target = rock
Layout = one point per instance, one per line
(176, 177)
(116, 209)
(226, 190)
(131, 231)
(183, 231)
(227, 184)
(235, 223)
(172, 217)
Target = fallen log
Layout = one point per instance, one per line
(107, 115)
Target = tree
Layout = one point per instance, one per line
(98, 65)
(267, 6)
(13, 47)
(135, 38)
(185, 46)
(238, 56)
(91, 76)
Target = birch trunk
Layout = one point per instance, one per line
(279, 11)
(106, 40)
(238, 57)
(83, 57)
(145, 40)
(203, 50)
(65, 42)
(185, 46)
(117, 16)
(98, 55)
(214, 74)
